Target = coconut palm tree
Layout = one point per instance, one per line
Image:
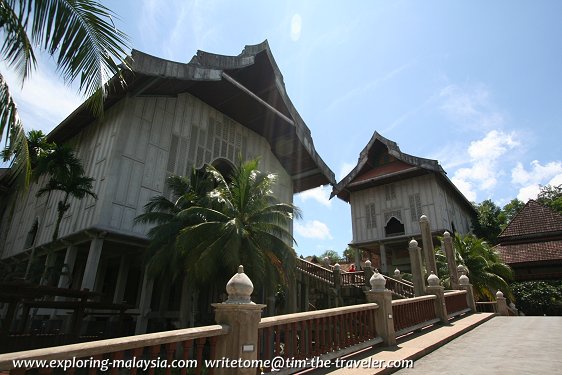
(486, 271)
(80, 35)
(66, 174)
(242, 223)
(168, 216)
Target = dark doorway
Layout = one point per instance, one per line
(394, 227)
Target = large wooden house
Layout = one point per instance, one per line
(389, 191)
(169, 118)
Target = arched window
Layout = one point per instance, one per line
(394, 227)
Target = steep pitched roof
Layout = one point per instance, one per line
(533, 220)
(248, 88)
(399, 165)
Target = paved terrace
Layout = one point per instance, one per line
(477, 344)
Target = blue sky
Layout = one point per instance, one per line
(476, 85)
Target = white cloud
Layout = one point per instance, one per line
(471, 106)
(538, 173)
(484, 155)
(296, 27)
(320, 194)
(531, 180)
(313, 229)
(44, 100)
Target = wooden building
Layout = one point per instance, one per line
(169, 118)
(532, 243)
(389, 191)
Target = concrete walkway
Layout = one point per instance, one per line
(503, 345)
(476, 344)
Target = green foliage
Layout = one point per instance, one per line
(216, 224)
(349, 254)
(332, 255)
(539, 297)
(487, 223)
(79, 34)
(509, 211)
(551, 196)
(486, 272)
(66, 174)
(162, 257)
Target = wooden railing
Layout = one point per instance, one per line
(329, 333)
(456, 303)
(399, 287)
(315, 270)
(192, 342)
(413, 313)
(356, 278)
(488, 307)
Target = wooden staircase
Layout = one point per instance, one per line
(352, 280)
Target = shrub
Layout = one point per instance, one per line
(538, 297)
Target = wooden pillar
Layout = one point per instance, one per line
(384, 262)
(186, 304)
(144, 304)
(92, 263)
(122, 276)
(65, 278)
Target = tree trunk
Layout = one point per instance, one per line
(62, 208)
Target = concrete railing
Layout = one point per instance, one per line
(327, 334)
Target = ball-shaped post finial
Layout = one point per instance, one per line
(397, 272)
(378, 282)
(461, 269)
(499, 294)
(433, 280)
(239, 288)
(447, 234)
(368, 263)
(424, 218)
(337, 267)
(463, 280)
(413, 243)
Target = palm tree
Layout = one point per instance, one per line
(485, 269)
(80, 35)
(66, 175)
(167, 214)
(242, 223)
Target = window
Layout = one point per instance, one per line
(390, 192)
(371, 215)
(415, 207)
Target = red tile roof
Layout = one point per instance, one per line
(532, 219)
(530, 252)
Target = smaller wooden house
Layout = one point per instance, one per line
(532, 243)
(388, 191)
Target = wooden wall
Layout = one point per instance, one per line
(139, 142)
(432, 199)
